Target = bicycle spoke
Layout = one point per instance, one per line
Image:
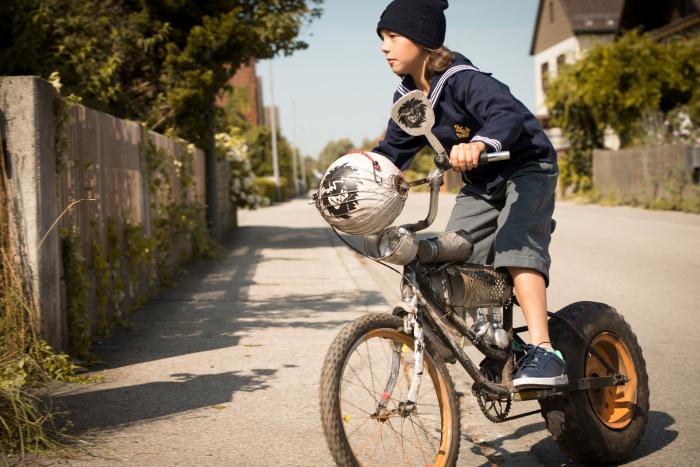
(371, 373)
(430, 436)
(358, 427)
(363, 385)
(375, 436)
(356, 385)
(358, 408)
(403, 449)
(420, 446)
(373, 450)
(381, 435)
(398, 438)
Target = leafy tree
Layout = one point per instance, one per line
(259, 141)
(333, 150)
(158, 61)
(622, 85)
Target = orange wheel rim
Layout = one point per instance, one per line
(614, 405)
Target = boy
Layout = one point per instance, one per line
(506, 207)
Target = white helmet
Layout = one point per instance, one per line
(361, 193)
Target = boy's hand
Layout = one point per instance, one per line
(465, 156)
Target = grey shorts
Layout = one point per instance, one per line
(511, 226)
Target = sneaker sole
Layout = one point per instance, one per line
(556, 381)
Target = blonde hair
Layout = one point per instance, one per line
(439, 60)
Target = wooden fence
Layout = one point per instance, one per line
(126, 175)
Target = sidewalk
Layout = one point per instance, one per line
(223, 368)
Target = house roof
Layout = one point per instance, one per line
(668, 16)
(586, 16)
(593, 15)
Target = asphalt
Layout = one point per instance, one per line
(223, 368)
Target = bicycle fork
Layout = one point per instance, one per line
(409, 405)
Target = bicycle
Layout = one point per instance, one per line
(376, 402)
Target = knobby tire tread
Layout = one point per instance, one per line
(330, 385)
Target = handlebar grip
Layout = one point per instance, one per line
(443, 162)
(486, 157)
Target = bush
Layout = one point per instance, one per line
(265, 186)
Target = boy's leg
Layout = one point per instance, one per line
(522, 246)
(477, 216)
(532, 296)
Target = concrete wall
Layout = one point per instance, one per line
(644, 175)
(105, 161)
(28, 133)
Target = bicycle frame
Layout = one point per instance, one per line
(419, 309)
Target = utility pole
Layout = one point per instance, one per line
(295, 151)
(273, 128)
(304, 188)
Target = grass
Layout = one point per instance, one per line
(28, 422)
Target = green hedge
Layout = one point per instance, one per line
(265, 186)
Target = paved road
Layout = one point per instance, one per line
(647, 265)
(223, 369)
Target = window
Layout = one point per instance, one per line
(561, 60)
(544, 71)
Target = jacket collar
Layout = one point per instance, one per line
(438, 82)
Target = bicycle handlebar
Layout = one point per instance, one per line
(435, 179)
(443, 162)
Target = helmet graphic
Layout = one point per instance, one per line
(361, 193)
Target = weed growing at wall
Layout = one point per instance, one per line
(118, 286)
(101, 271)
(27, 362)
(62, 105)
(139, 251)
(75, 274)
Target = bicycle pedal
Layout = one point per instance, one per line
(528, 394)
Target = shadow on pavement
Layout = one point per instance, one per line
(546, 452)
(210, 307)
(122, 406)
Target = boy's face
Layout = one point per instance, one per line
(404, 55)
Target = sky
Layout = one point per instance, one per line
(342, 87)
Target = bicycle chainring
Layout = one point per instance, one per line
(494, 408)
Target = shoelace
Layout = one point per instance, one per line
(530, 359)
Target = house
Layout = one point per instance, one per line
(247, 81)
(565, 29)
(663, 19)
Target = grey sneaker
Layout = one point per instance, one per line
(540, 368)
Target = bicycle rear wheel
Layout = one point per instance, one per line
(353, 382)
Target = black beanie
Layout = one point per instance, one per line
(422, 21)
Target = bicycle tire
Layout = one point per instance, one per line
(382, 325)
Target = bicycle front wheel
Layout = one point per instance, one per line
(359, 428)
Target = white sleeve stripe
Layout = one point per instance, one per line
(491, 142)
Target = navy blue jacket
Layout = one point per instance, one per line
(470, 106)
